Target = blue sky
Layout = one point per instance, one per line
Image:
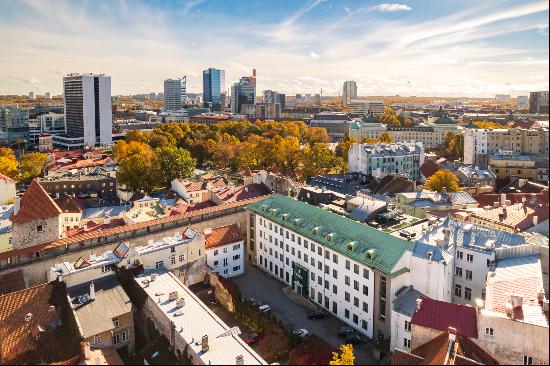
(445, 48)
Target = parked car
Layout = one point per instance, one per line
(264, 308)
(253, 338)
(317, 314)
(345, 331)
(302, 333)
(353, 339)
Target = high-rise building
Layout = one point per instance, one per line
(213, 85)
(88, 112)
(31, 95)
(349, 92)
(174, 94)
(538, 102)
(318, 100)
(503, 98)
(14, 124)
(282, 100)
(243, 92)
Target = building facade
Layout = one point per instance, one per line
(175, 92)
(14, 124)
(336, 123)
(213, 85)
(366, 106)
(538, 102)
(243, 92)
(88, 112)
(349, 91)
(224, 248)
(382, 159)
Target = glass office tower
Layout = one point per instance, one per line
(213, 85)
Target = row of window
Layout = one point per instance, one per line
(117, 338)
(235, 247)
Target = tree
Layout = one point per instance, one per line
(135, 161)
(389, 117)
(172, 162)
(346, 358)
(31, 166)
(487, 124)
(385, 138)
(343, 147)
(442, 179)
(8, 162)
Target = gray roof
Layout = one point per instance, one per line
(394, 149)
(96, 316)
(405, 302)
(366, 207)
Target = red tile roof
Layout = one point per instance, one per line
(36, 204)
(223, 235)
(96, 227)
(70, 204)
(229, 195)
(516, 216)
(405, 358)
(11, 282)
(442, 315)
(184, 208)
(5, 177)
(429, 168)
(202, 185)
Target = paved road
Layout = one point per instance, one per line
(264, 289)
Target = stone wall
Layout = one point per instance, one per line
(26, 234)
(222, 294)
(35, 270)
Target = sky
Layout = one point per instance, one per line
(411, 48)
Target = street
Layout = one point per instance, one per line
(264, 289)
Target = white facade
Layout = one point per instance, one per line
(364, 106)
(175, 92)
(475, 143)
(227, 260)
(337, 283)
(349, 92)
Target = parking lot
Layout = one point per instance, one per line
(264, 289)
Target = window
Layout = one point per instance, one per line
(216, 262)
(334, 273)
(216, 252)
(483, 294)
(319, 298)
(365, 307)
(469, 258)
(235, 257)
(467, 293)
(172, 249)
(335, 258)
(327, 254)
(39, 228)
(115, 322)
(356, 302)
(319, 280)
(489, 331)
(347, 296)
(327, 269)
(312, 276)
(355, 319)
(527, 360)
(335, 289)
(320, 251)
(458, 254)
(356, 285)
(346, 313)
(364, 325)
(97, 339)
(105, 269)
(458, 271)
(348, 264)
(173, 260)
(182, 257)
(458, 290)
(116, 339)
(488, 263)
(366, 273)
(382, 299)
(125, 336)
(347, 280)
(406, 343)
(468, 274)
(407, 326)
(334, 307)
(236, 268)
(306, 259)
(356, 268)
(327, 285)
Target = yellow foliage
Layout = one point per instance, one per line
(346, 358)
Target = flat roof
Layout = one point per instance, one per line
(197, 320)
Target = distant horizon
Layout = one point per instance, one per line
(417, 48)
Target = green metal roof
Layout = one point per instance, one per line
(373, 248)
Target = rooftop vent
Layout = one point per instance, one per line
(28, 317)
(173, 296)
(180, 302)
(418, 304)
(153, 277)
(239, 360)
(371, 254)
(204, 342)
(208, 231)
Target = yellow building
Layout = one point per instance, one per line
(505, 166)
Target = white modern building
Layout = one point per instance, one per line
(88, 113)
(349, 92)
(175, 92)
(52, 123)
(225, 250)
(365, 106)
(382, 159)
(350, 269)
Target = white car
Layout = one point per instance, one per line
(264, 308)
(302, 333)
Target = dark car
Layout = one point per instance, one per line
(316, 315)
(252, 338)
(353, 339)
(345, 331)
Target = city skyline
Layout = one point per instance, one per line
(410, 48)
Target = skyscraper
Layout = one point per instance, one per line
(349, 92)
(538, 102)
(88, 113)
(175, 92)
(243, 92)
(213, 85)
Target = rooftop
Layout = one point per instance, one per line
(35, 204)
(455, 198)
(196, 320)
(394, 149)
(96, 316)
(517, 216)
(223, 235)
(441, 315)
(405, 301)
(373, 248)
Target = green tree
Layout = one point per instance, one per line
(442, 179)
(345, 358)
(8, 162)
(172, 162)
(31, 166)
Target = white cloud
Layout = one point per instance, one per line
(390, 8)
(189, 5)
(314, 55)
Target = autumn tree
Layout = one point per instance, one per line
(343, 147)
(389, 117)
(136, 169)
(317, 159)
(442, 179)
(385, 138)
(8, 162)
(31, 166)
(172, 162)
(487, 124)
(345, 358)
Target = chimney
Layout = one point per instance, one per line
(446, 234)
(452, 334)
(205, 347)
(496, 204)
(86, 350)
(239, 360)
(516, 300)
(430, 255)
(16, 205)
(92, 291)
(503, 199)
(106, 220)
(418, 304)
(535, 220)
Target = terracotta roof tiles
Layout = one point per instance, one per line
(36, 204)
(223, 235)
